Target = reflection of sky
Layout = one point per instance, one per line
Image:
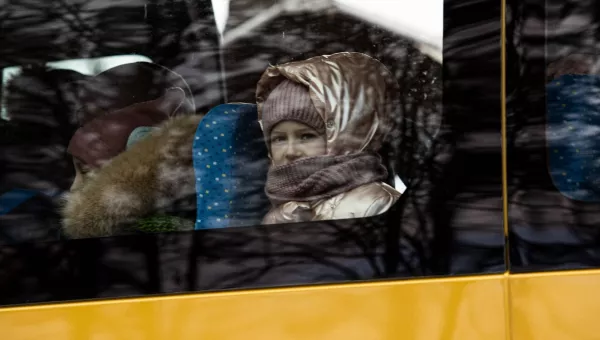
(399, 184)
(87, 66)
(573, 117)
(221, 12)
(421, 21)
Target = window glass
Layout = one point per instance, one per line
(553, 145)
(172, 146)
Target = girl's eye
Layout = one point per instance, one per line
(307, 136)
(277, 139)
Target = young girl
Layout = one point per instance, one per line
(324, 120)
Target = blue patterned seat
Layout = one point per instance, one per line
(573, 135)
(230, 164)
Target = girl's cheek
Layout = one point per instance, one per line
(317, 146)
(275, 155)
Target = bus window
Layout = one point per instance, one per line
(268, 144)
(554, 191)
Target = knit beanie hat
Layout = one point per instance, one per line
(290, 101)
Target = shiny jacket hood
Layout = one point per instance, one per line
(352, 92)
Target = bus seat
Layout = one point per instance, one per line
(28, 215)
(230, 164)
(13, 198)
(573, 121)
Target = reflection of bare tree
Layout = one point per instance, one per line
(467, 195)
(449, 220)
(296, 37)
(449, 209)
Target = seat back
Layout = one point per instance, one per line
(573, 122)
(230, 164)
(28, 215)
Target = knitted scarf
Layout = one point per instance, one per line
(314, 178)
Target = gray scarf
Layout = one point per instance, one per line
(314, 178)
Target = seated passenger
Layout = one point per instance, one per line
(104, 137)
(324, 121)
(47, 107)
(116, 185)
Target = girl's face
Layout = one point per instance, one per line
(291, 141)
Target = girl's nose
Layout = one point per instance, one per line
(292, 151)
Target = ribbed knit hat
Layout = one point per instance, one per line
(290, 101)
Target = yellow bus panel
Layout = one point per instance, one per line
(560, 305)
(459, 308)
